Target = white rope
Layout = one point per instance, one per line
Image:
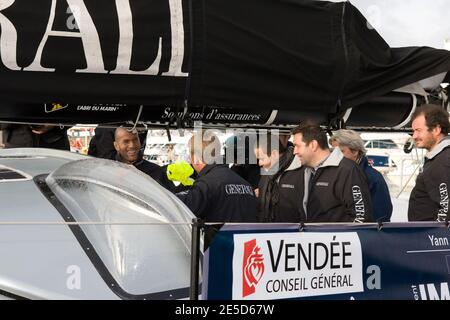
(137, 119)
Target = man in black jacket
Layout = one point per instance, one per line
(336, 189)
(429, 198)
(42, 136)
(218, 194)
(279, 191)
(128, 149)
(102, 144)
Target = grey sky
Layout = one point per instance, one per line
(409, 22)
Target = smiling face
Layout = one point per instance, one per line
(423, 136)
(127, 145)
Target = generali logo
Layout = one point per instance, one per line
(252, 267)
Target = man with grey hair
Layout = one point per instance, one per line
(352, 146)
(218, 193)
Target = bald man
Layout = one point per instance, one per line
(128, 145)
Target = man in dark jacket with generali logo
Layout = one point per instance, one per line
(429, 198)
(336, 189)
(282, 185)
(218, 193)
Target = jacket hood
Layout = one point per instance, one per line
(441, 146)
(334, 159)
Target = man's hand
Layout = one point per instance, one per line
(42, 129)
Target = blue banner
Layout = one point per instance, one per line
(280, 261)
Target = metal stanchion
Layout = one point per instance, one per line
(197, 224)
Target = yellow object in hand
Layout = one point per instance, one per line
(180, 171)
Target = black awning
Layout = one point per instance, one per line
(309, 59)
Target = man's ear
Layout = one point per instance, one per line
(437, 130)
(314, 145)
(116, 146)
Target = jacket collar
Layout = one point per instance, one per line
(441, 146)
(295, 164)
(208, 168)
(364, 162)
(333, 160)
(287, 162)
